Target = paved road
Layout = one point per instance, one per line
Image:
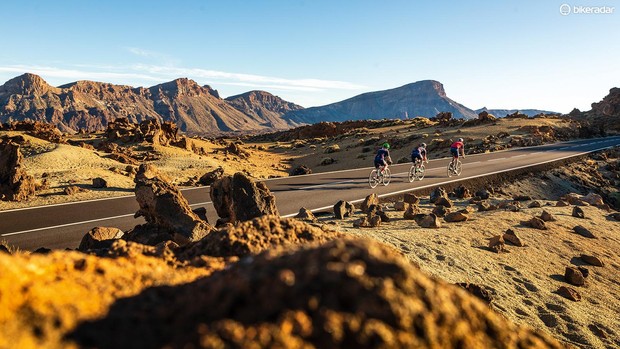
(63, 225)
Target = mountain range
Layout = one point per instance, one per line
(199, 109)
(91, 105)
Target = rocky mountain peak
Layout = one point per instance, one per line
(180, 87)
(26, 84)
(426, 86)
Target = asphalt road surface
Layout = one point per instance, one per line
(63, 225)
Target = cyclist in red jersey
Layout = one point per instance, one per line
(456, 148)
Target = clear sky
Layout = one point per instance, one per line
(499, 54)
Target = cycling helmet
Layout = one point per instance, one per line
(386, 145)
(460, 139)
(423, 145)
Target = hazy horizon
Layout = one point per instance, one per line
(502, 55)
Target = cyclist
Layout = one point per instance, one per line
(419, 153)
(382, 159)
(457, 147)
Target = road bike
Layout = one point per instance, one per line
(455, 167)
(417, 170)
(377, 176)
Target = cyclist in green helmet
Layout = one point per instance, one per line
(383, 159)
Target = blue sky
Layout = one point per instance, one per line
(499, 54)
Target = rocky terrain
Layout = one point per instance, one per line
(604, 115)
(264, 282)
(90, 106)
(86, 166)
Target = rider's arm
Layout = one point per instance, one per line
(463, 150)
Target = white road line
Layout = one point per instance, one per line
(83, 222)
(67, 225)
(471, 163)
(518, 156)
(496, 159)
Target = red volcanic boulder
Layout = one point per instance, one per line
(15, 183)
(238, 198)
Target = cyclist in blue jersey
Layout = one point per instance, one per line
(382, 159)
(419, 153)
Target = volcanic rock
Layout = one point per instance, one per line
(439, 192)
(411, 199)
(547, 217)
(462, 192)
(429, 221)
(440, 210)
(210, 177)
(562, 203)
(578, 212)
(15, 183)
(592, 260)
(401, 206)
(513, 238)
(535, 223)
(99, 183)
(361, 222)
(411, 212)
(310, 297)
(483, 194)
(306, 215)
(534, 204)
(371, 199)
(343, 209)
(74, 189)
(162, 205)
(569, 293)
(581, 230)
(497, 244)
(444, 201)
(255, 236)
(574, 276)
(477, 290)
(301, 170)
(458, 216)
(99, 237)
(594, 199)
(238, 198)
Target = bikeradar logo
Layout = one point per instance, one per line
(566, 9)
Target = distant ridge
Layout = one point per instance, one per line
(503, 112)
(422, 98)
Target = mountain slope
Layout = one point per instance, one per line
(91, 105)
(263, 107)
(422, 98)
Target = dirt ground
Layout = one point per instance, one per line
(523, 281)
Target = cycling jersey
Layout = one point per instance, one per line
(457, 145)
(382, 154)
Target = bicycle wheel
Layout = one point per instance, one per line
(458, 168)
(419, 173)
(387, 176)
(412, 172)
(450, 169)
(373, 179)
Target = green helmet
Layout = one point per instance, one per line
(386, 145)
